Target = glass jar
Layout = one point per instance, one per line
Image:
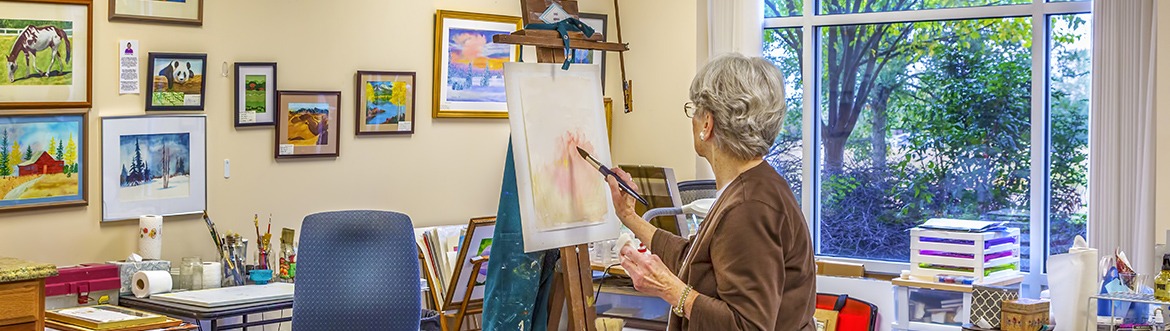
(191, 273)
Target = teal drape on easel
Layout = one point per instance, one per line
(516, 292)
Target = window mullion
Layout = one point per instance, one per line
(1038, 182)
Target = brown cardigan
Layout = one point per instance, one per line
(752, 259)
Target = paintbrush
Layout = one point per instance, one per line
(606, 172)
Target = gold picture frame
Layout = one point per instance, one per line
(475, 89)
(188, 12)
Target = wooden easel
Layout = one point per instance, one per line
(574, 283)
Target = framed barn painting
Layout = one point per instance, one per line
(176, 81)
(185, 12)
(42, 159)
(154, 165)
(47, 54)
(385, 103)
(469, 67)
(255, 94)
(307, 124)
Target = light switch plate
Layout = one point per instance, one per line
(227, 168)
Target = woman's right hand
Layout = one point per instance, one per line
(623, 204)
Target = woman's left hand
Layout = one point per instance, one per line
(651, 276)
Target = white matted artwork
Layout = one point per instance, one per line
(153, 165)
(563, 200)
(477, 242)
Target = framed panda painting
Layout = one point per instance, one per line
(176, 81)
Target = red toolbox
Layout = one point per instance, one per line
(82, 285)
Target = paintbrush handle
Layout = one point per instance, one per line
(622, 185)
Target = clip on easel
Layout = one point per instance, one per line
(574, 283)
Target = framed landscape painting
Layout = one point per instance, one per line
(255, 94)
(42, 159)
(46, 53)
(176, 81)
(469, 67)
(307, 124)
(186, 12)
(385, 103)
(153, 165)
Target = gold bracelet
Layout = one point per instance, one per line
(682, 301)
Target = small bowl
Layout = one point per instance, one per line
(260, 277)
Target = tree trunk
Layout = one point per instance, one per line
(878, 145)
(834, 152)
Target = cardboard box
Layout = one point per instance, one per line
(126, 271)
(1024, 315)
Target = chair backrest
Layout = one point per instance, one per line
(357, 270)
(853, 314)
(692, 190)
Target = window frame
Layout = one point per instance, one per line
(1040, 12)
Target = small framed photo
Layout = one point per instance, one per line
(153, 165)
(43, 159)
(307, 124)
(46, 59)
(176, 81)
(185, 12)
(255, 93)
(599, 23)
(385, 103)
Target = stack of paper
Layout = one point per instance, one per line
(440, 247)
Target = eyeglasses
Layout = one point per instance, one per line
(689, 109)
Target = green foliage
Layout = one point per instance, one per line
(5, 167)
(21, 24)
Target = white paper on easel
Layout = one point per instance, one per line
(564, 201)
(128, 67)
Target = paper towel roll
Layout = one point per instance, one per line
(150, 282)
(150, 236)
(212, 274)
(1072, 278)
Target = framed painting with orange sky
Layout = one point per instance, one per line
(469, 67)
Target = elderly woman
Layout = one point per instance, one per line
(750, 266)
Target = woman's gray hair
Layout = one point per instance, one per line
(745, 97)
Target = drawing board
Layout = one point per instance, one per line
(563, 200)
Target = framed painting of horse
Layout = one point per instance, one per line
(307, 124)
(46, 53)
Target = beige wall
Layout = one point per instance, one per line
(446, 173)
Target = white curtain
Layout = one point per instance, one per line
(732, 26)
(1121, 134)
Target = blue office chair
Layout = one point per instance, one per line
(357, 270)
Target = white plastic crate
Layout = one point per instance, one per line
(964, 250)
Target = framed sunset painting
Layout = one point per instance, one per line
(42, 159)
(469, 67)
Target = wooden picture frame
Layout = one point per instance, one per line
(255, 93)
(187, 12)
(66, 80)
(600, 24)
(476, 92)
(23, 135)
(307, 124)
(388, 117)
(171, 81)
(153, 165)
(480, 232)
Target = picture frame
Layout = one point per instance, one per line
(256, 86)
(153, 165)
(33, 138)
(477, 242)
(599, 23)
(301, 117)
(475, 88)
(60, 75)
(180, 12)
(385, 103)
(175, 81)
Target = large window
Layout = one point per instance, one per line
(924, 109)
